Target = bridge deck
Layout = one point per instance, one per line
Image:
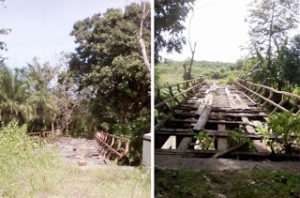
(214, 109)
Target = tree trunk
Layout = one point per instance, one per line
(141, 41)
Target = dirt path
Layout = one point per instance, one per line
(177, 162)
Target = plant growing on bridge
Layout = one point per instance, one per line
(285, 127)
(203, 141)
(237, 137)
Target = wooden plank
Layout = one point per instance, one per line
(204, 103)
(221, 144)
(202, 119)
(264, 98)
(230, 150)
(185, 143)
(226, 122)
(260, 146)
(221, 127)
(249, 128)
(170, 143)
(205, 114)
(215, 114)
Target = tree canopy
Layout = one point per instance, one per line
(169, 18)
(108, 66)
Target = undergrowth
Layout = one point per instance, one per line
(244, 183)
(28, 169)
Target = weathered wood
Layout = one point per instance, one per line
(221, 127)
(221, 144)
(185, 143)
(204, 114)
(202, 119)
(170, 143)
(224, 114)
(180, 83)
(230, 150)
(249, 128)
(177, 95)
(264, 98)
(260, 146)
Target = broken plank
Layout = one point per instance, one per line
(202, 119)
(170, 143)
(185, 143)
(230, 150)
(249, 128)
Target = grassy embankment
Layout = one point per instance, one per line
(213, 72)
(24, 172)
(246, 184)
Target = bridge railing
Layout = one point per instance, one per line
(181, 88)
(267, 96)
(116, 147)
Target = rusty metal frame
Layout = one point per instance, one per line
(108, 140)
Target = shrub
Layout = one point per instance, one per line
(23, 168)
(203, 141)
(285, 126)
(237, 137)
(230, 80)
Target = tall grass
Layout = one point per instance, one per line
(28, 170)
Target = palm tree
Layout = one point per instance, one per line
(13, 95)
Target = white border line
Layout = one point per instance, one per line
(152, 97)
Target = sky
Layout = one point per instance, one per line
(42, 28)
(220, 30)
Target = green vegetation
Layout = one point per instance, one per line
(105, 86)
(246, 184)
(169, 19)
(203, 141)
(285, 128)
(29, 170)
(218, 72)
(236, 137)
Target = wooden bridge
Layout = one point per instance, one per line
(111, 147)
(187, 108)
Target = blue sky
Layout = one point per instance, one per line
(42, 28)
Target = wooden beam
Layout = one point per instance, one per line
(249, 128)
(185, 143)
(170, 143)
(230, 150)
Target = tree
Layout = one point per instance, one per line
(13, 95)
(270, 24)
(108, 65)
(39, 78)
(169, 18)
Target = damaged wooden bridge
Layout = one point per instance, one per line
(195, 106)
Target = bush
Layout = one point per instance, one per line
(23, 169)
(237, 137)
(284, 127)
(230, 80)
(203, 141)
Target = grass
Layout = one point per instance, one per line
(213, 72)
(246, 184)
(35, 171)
